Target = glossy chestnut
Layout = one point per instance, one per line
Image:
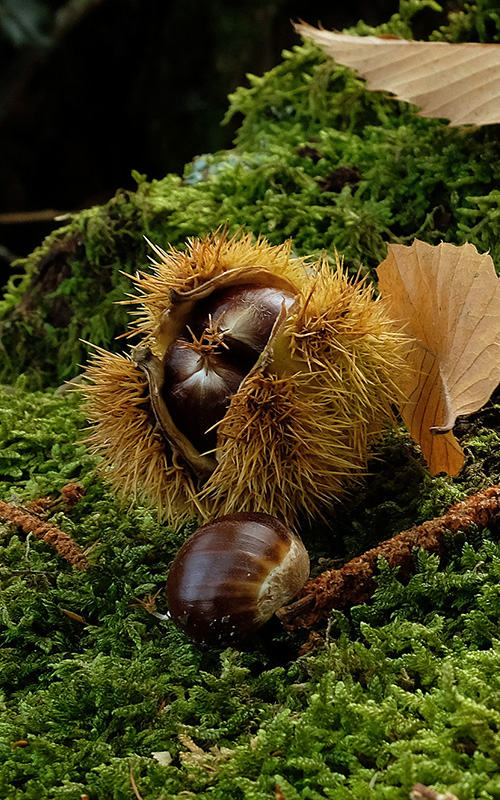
(205, 366)
(232, 574)
(199, 380)
(244, 315)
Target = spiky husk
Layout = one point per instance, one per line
(293, 443)
(203, 260)
(124, 432)
(299, 429)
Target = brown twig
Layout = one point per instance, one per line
(41, 507)
(354, 583)
(134, 785)
(19, 743)
(72, 615)
(31, 523)
(16, 217)
(70, 495)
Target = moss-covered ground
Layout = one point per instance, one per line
(100, 699)
(401, 690)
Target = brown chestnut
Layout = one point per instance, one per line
(232, 574)
(205, 366)
(244, 315)
(199, 380)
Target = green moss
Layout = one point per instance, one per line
(400, 690)
(403, 690)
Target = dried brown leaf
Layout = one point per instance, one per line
(448, 300)
(459, 82)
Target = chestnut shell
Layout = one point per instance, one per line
(232, 574)
(245, 315)
(197, 390)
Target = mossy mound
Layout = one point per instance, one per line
(101, 699)
(317, 157)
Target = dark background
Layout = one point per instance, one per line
(91, 89)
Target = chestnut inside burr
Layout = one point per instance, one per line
(233, 574)
(197, 389)
(204, 367)
(244, 315)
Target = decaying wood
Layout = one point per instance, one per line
(354, 583)
(30, 521)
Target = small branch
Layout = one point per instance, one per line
(19, 743)
(21, 217)
(29, 522)
(44, 507)
(71, 494)
(354, 583)
(72, 615)
(134, 785)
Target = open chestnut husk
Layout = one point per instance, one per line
(232, 574)
(259, 383)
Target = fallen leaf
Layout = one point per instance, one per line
(459, 82)
(164, 757)
(447, 298)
